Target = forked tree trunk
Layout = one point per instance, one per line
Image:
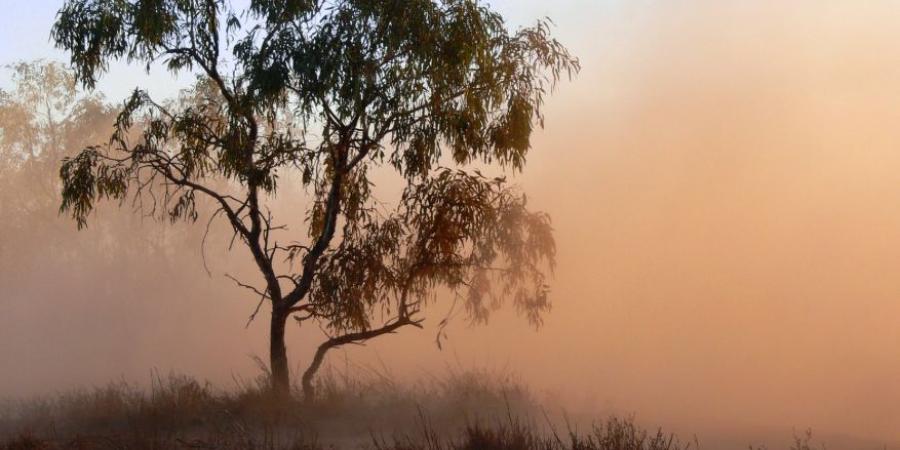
(278, 362)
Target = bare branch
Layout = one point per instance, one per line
(351, 338)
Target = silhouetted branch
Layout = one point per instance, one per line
(349, 338)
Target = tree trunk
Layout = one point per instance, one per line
(309, 388)
(278, 362)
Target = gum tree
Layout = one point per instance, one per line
(43, 118)
(333, 90)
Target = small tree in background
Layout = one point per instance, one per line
(42, 119)
(333, 89)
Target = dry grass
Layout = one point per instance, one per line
(459, 411)
(178, 412)
(515, 434)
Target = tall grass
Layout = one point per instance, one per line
(460, 410)
(176, 410)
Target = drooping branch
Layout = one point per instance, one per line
(349, 338)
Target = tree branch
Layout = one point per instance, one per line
(350, 338)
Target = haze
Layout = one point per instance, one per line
(723, 182)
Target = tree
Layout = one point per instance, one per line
(42, 117)
(38, 117)
(334, 90)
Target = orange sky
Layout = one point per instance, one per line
(723, 181)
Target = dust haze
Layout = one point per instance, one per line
(723, 181)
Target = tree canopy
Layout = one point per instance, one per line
(332, 90)
(42, 119)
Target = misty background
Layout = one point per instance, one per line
(722, 178)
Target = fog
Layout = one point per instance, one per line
(722, 178)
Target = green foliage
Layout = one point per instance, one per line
(333, 89)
